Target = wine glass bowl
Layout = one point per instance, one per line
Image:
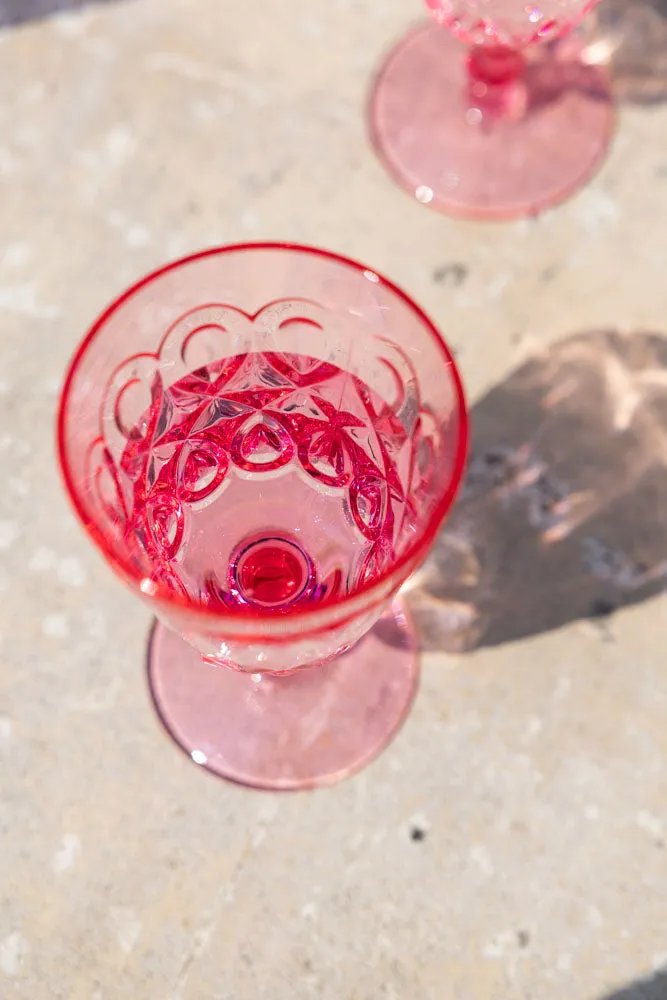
(505, 22)
(263, 440)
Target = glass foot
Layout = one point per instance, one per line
(301, 730)
(451, 152)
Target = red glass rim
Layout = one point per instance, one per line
(167, 598)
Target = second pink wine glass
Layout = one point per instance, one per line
(263, 440)
(501, 127)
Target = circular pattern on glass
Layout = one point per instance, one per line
(271, 572)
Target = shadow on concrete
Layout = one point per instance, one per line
(563, 514)
(13, 12)
(630, 37)
(652, 988)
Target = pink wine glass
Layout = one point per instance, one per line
(501, 128)
(263, 440)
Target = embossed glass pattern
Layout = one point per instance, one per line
(263, 441)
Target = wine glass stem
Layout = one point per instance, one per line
(495, 75)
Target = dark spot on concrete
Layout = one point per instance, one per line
(602, 608)
(277, 175)
(549, 273)
(450, 275)
(417, 833)
(523, 938)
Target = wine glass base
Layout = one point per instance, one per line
(468, 161)
(295, 731)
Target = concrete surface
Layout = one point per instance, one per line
(511, 841)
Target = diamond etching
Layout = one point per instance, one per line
(307, 455)
(265, 479)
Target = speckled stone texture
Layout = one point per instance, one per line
(511, 843)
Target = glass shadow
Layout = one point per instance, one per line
(630, 37)
(14, 12)
(649, 988)
(563, 513)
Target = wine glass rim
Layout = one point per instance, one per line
(167, 598)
